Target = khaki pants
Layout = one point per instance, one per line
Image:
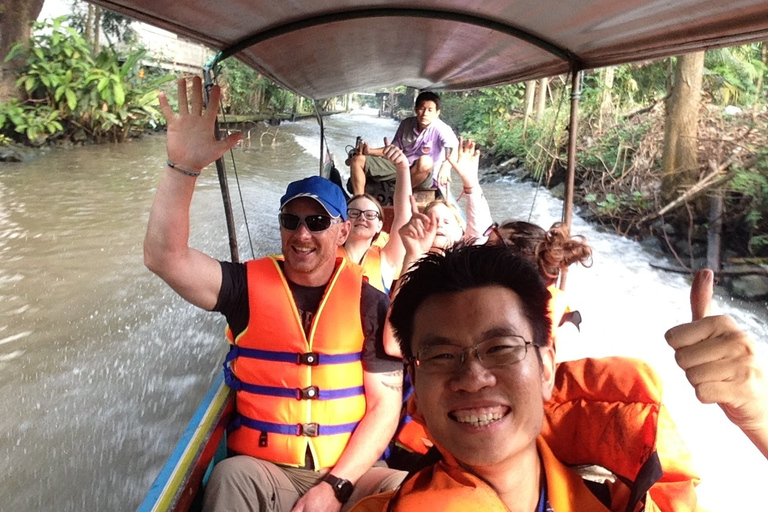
(247, 484)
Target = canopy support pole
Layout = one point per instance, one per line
(221, 171)
(570, 179)
(322, 137)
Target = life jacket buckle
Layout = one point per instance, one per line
(308, 359)
(309, 429)
(308, 393)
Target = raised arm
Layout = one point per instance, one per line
(417, 236)
(467, 165)
(394, 251)
(191, 146)
(720, 362)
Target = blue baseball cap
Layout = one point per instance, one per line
(324, 191)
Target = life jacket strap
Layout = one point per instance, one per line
(308, 358)
(301, 429)
(308, 393)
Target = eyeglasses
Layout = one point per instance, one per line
(354, 213)
(494, 228)
(492, 353)
(314, 223)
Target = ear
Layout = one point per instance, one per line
(343, 232)
(412, 406)
(547, 371)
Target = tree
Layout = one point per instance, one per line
(16, 17)
(680, 155)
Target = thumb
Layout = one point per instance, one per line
(701, 294)
(386, 141)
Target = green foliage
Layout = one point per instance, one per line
(71, 93)
(748, 192)
(35, 124)
(485, 114)
(247, 92)
(732, 74)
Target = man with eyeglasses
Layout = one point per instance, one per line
(317, 401)
(473, 327)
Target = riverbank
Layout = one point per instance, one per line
(621, 192)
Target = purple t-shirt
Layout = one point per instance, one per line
(431, 141)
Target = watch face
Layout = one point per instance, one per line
(343, 490)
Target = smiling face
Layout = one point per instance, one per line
(449, 230)
(486, 418)
(362, 228)
(310, 256)
(426, 113)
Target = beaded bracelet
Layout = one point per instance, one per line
(186, 172)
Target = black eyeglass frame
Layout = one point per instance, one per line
(416, 362)
(354, 213)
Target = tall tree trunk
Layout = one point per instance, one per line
(95, 46)
(16, 17)
(680, 155)
(530, 93)
(89, 25)
(541, 98)
(606, 99)
(760, 79)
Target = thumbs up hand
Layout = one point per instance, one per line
(720, 362)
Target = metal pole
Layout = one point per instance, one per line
(322, 138)
(222, 173)
(571, 171)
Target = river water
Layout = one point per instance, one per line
(101, 365)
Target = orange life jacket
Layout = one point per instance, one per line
(297, 392)
(608, 412)
(448, 487)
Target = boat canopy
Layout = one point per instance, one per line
(325, 48)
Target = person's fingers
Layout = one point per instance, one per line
(386, 142)
(721, 370)
(701, 294)
(365, 148)
(692, 333)
(165, 107)
(230, 142)
(414, 205)
(712, 348)
(182, 94)
(197, 96)
(213, 101)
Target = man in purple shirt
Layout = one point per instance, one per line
(426, 141)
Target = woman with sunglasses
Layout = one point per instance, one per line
(380, 261)
(552, 252)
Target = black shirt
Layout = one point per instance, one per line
(233, 303)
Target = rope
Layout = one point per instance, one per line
(549, 147)
(234, 170)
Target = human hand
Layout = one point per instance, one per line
(319, 498)
(468, 163)
(395, 155)
(190, 141)
(418, 234)
(444, 175)
(720, 362)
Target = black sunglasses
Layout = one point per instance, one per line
(314, 223)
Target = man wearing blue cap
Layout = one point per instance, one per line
(317, 399)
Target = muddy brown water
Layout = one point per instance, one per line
(101, 365)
